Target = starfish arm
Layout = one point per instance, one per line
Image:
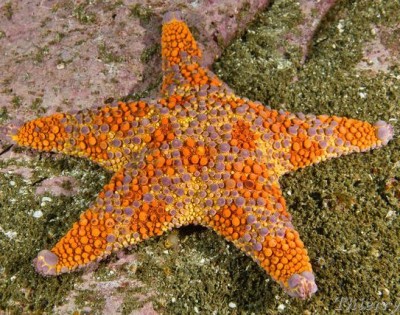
(261, 227)
(293, 141)
(108, 135)
(316, 138)
(127, 211)
(181, 60)
(177, 42)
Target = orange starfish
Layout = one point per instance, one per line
(198, 155)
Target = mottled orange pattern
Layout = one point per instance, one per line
(198, 155)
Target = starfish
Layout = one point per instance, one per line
(199, 154)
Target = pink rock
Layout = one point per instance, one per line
(54, 60)
(313, 12)
(57, 186)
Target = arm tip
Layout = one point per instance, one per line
(45, 263)
(302, 285)
(384, 131)
(170, 16)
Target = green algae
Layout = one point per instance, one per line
(82, 14)
(16, 101)
(339, 207)
(106, 54)
(141, 12)
(40, 54)
(21, 289)
(4, 114)
(37, 107)
(149, 52)
(86, 298)
(8, 10)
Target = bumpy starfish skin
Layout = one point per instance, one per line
(198, 155)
